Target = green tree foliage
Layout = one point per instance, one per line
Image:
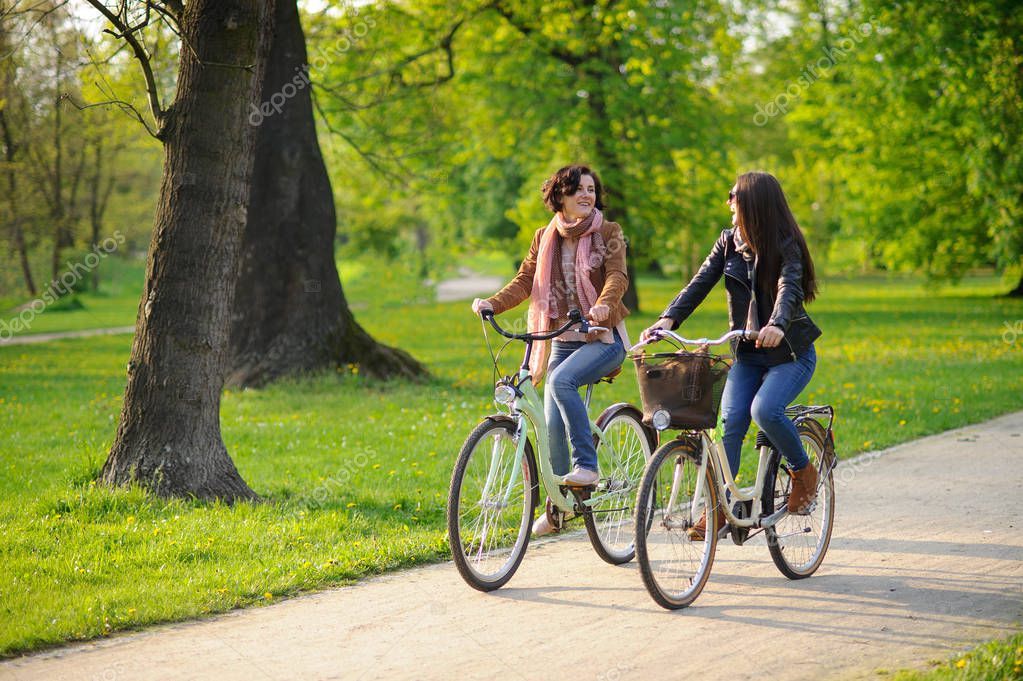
(904, 150)
(73, 168)
(491, 98)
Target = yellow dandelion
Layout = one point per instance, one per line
(268, 596)
(961, 663)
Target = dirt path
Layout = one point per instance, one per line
(46, 337)
(927, 558)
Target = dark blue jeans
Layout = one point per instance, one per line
(572, 365)
(755, 390)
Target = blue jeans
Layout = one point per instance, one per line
(572, 365)
(755, 390)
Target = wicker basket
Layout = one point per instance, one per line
(687, 385)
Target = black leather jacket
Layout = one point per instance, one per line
(783, 302)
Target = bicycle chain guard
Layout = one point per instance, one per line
(741, 510)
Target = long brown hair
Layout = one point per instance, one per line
(765, 223)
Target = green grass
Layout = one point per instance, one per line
(997, 660)
(355, 473)
(115, 304)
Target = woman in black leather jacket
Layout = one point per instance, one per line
(768, 276)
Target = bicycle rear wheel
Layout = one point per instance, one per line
(622, 454)
(798, 542)
(674, 567)
(490, 505)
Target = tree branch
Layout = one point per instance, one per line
(546, 45)
(366, 156)
(143, 58)
(127, 107)
(170, 8)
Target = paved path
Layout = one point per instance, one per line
(46, 337)
(927, 558)
(468, 285)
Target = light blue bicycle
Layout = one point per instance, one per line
(495, 486)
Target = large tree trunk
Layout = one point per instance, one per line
(290, 314)
(169, 434)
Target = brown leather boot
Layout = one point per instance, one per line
(698, 532)
(804, 488)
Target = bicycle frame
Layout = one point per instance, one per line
(528, 411)
(713, 448)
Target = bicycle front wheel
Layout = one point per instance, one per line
(490, 505)
(673, 566)
(798, 542)
(622, 454)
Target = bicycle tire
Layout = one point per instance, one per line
(673, 580)
(489, 537)
(622, 454)
(798, 543)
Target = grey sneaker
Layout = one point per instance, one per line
(582, 477)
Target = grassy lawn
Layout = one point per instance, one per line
(115, 304)
(355, 473)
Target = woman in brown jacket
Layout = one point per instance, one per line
(575, 262)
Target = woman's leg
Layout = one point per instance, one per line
(741, 387)
(782, 384)
(556, 435)
(587, 364)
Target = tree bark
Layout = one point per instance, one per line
(169, 436)
(290, 315)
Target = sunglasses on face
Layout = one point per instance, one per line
(731, 195)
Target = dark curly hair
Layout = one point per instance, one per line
(565, 182)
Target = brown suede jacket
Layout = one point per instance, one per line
(611, 278)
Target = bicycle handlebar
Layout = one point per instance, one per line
(659, 333)
(574, 318)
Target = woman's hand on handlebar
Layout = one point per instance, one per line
(479, 305)
(660, 324)
(599, 313)
(770, 337)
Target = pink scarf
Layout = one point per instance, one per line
(544, 301)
